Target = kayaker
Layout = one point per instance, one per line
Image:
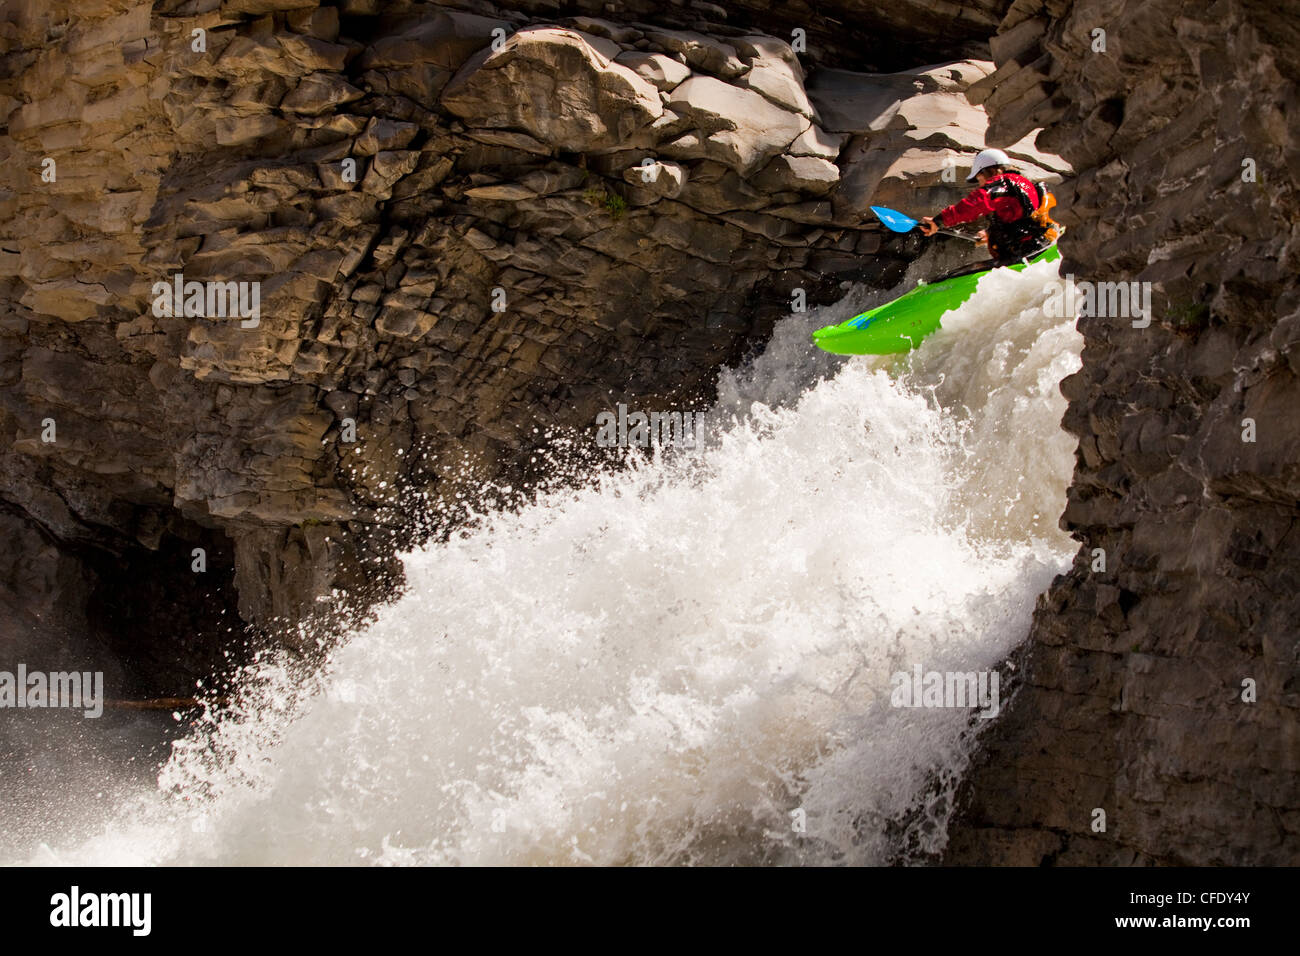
(1018, 209)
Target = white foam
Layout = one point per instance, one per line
(665, 667)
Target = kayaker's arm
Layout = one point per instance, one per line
(928, 227)
(975, 206)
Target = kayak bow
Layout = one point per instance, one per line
(900, 325)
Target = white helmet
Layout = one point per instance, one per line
(986, 158)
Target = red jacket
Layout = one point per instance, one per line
(979, 203)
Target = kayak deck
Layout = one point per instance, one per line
(900, 325)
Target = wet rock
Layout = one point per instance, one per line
(605, 102)
(704, 53)
(661, 177)
(777, 76)
(737, 127)
(1136, 677)
(319, 92)
(383, 134)
(803, 173)
(662, 72)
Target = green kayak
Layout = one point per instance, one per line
(899, 326)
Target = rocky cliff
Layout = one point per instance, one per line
(1162, 678)
(465, 227)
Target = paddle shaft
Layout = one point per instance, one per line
(959, 235)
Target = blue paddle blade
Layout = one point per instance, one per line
(893, 219)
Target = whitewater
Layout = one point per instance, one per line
(684, 661)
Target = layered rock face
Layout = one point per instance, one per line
(446, 232)
(1161, 679)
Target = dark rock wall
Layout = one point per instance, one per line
(1133, 699)
(854, 34)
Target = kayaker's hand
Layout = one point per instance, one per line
(928, 226)
(983, 239)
